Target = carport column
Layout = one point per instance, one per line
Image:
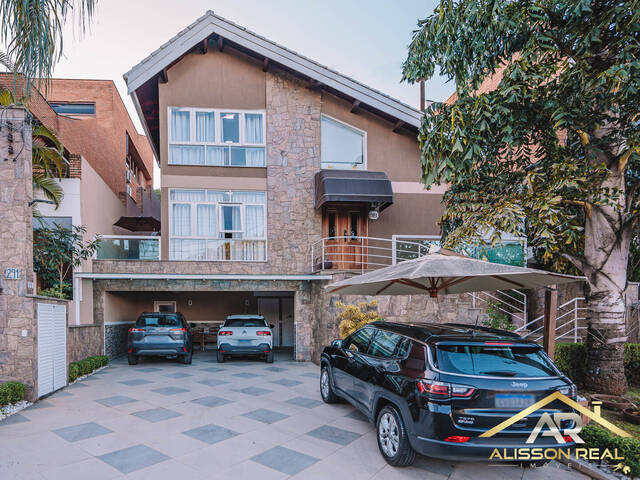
(303, 318)
(18, 349)
(550, 314)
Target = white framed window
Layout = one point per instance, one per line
(199, 136)
(343, 146)
(217, 225)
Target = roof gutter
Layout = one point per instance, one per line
(188, 276)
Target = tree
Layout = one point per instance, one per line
(32, 32)
(56, 251)
(542, 140)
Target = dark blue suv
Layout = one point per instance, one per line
(435, 388)
(160, 334)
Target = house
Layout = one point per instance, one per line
(264, 153)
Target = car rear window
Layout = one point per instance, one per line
(494, 360)
(245, 322)
(158, 321)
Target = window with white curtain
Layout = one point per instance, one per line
(217, 225)
(209, 137)
(342, 146)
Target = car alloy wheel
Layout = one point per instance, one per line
(388, 434)
(324, 383)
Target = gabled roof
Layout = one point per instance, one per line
(276, 55)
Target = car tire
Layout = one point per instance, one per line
(326, 390)
(132, 358)
(393, 440)
(220, 357)
(188, 358)
(269, 357)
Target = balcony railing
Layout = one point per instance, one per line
(128, 247)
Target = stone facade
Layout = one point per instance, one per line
(115, 339)
(84, 341)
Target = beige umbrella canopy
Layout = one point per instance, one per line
(446, 272)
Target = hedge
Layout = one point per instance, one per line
(571, 359)
(11, 392)
(629, 448)
(86, 366)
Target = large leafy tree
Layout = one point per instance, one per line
(542, 140)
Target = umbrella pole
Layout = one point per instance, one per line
(550, 314)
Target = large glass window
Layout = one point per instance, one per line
(342, 146)
(216, 137)
(217, 225)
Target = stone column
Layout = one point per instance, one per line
(18, 348)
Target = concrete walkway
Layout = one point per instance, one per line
(241, 419)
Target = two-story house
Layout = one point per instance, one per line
(278, 173)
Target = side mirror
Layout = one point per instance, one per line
(336, 344)
(271, 325)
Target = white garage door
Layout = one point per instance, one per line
(52, 347)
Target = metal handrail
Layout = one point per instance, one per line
(573, 322)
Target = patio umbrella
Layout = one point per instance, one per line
(446, 272)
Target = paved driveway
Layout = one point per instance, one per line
(240, 419)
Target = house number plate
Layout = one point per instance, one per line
(12, 274)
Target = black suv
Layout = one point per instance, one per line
(434, 388)
(163, 334)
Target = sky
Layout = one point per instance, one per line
(364, 39)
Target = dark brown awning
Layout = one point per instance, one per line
(139, 224)
(353, 186)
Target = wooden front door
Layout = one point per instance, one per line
(345, 229)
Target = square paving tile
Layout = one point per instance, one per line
(304, 402)
(170, 390)
(78, 385)
(212, 369)
(211, 401)
(265, 416)
(334, 434)
(254, 390)
(13, 419)
(311, 375)
(83, 431)
(285, 382)
(357, 415)
(212, 382)
(116, 400)
(275, 369)
(245, 375)
(133, 458)
(157, 414)
(210, 433)
(135, 381)
(149, 369)
(178, 375)
(285, 460)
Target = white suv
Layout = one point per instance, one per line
(245, 335)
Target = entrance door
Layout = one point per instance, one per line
(270, 309)
(345, 228)
(164, 307)
(288, 329)
(52, 347)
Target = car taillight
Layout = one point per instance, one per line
(443, 391)
(569, 391)
(457, 439)
(178, 330)
(133, 330)
(225, 332)
(264, 332)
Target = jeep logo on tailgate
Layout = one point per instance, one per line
(519, 384)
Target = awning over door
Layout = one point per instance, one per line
(353, 186)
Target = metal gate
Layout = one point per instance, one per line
(52, 347)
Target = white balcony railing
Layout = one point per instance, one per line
(128, 247)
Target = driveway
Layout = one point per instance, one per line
(241, 419)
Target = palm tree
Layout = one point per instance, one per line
(32, 32)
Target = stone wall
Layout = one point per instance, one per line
(115, 339)
(84, 341)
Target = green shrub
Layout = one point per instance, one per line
(74, 371)
(497, 318)
(104, 360)
(86, 367)
(571, 359)
(632, 363)
(11, 392)
(629, 448)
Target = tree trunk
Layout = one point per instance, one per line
(606, 252)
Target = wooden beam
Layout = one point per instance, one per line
(265, 64)
(399, 124)
(453, 282)
(220, 43)
(163, 78)
(550, 315)
(384, 288)
(355, 106)
(205, 46)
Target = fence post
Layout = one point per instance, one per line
(575, 320)
(550, 315)
(322, 266)
(361, 255)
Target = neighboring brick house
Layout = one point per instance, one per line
(265, 153)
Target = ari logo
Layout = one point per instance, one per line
(554, 423)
